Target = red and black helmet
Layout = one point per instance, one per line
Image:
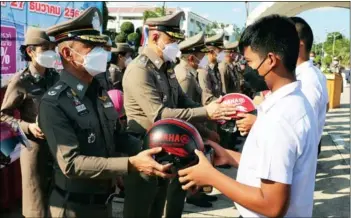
(243, 104)
(178, 139)
(12, 137)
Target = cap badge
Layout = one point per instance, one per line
(96, 22)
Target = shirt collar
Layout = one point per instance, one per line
(74, 83)
(190, 69)
(304, 65)
(153, 57)
(274, 97)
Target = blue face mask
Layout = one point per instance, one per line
(109, 55)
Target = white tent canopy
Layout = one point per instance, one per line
(289, 8)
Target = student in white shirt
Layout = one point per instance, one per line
(313, 81)
(276, 170)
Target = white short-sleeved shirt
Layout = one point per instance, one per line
(281, 147)
(314, 87)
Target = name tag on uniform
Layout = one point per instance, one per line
(108, 104)
(81, 108)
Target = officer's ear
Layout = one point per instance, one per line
(155, 36)
(30, 50)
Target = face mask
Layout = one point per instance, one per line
(127, 61)
(254, 79)
(109, 56)
(95, 62)
(204, 62)
(170, 52)
(49, 59)
(220, 56)
(311, 58)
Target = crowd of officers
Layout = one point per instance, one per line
(79, 147)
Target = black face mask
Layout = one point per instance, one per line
(254, 79)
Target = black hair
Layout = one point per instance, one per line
(304, 31)
(276, 34)
(24, 54)
(114, 56)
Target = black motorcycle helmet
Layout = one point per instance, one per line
(178, 140)
(11, 136)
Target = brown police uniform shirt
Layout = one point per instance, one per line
(115, 77)
(152, 92)
(24, 93)
(188, 81)
(79, 122)
(230, 78)
(208, 95)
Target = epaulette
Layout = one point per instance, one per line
(142, 60)
(55, 91)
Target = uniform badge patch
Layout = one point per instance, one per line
(108, 104)
(91, 138)
(52, 93)
(81, 108)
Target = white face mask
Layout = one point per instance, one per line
(49, 59)
(220, 56)
(127, 61)
(109, 56)
(95, 62)
(204, 62)
(171, 52)
(311, 58)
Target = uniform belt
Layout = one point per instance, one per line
(83, 198)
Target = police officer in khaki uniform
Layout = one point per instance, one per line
(121, 57)
(151, 93)
(229, 75)
(23, 93)
(80, 124)
(214, 45)
(187, 76)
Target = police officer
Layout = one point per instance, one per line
(151, 93)
(229, 75)
(80, 124)
(121, 57)
(23, 93)
(214, 45)
(187, 76)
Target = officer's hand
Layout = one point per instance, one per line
(198, 175)
(214, 136)
(258, 99)
(216, 110)
(144, 162)
(244, 125)
(36, 131)
(221, 156)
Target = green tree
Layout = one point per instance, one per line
(158, 12)
(134, 39)
(127, 27)
(121, 37)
